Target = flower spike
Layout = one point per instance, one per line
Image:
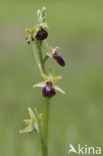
(37, 36)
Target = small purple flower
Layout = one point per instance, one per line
(59, 59)
(48, 90)
(41, 34)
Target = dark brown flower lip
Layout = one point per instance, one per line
(59, 59)
(41, 34)
(48, 91)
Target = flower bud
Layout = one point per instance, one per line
(41, 34)
(48, 90)
(27, 39)
(59, 59)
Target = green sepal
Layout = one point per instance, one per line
(56, 78)
(34, 30)
(48, 78)
(31, 113)
(29, 31)
(44, 25)
(41, 84)
(44, 76)
(28, 121)
(27, 129)
(59, 89)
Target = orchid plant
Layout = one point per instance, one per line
(37, 36)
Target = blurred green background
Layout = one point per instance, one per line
(77, 118)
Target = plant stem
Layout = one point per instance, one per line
(44, 138)
(45, 59)
(45, 123)
(39, 46)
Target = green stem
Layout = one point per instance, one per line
(43, 142)
(46, 114)
(44, 138)
(39, 46)
(45, 123)
(45, 128)
(45, 59)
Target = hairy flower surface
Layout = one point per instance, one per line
(59, 59)
(41, 34)
(48, 90)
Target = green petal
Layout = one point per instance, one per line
(36, 127)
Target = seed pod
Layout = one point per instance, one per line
(59, 59)
(27, 39)
(48, 90)
(41, 34)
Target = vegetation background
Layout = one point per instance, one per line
(77, 118)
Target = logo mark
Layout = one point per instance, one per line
(84, 150)
(72, 149)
